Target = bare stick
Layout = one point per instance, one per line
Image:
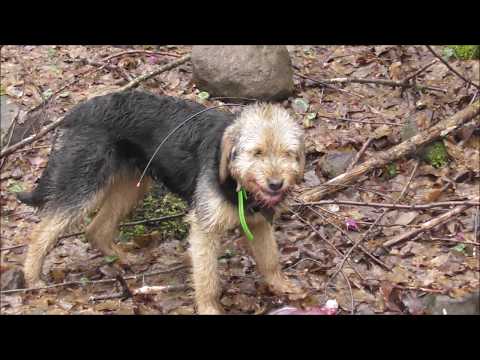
(359, 121)
(134, 83)
(416, 73)
(144, 290)
(393, 206)
(140, 52)
(427, 225)
(454, 241)
(89, 282)
(469, 82)
(441, 129)
(393, 83)
(359, 154)
(321, 82)
(59, 121)
(32, 138)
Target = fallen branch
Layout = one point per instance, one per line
(359, 120)
(90, 282)
(428, 225)
(392, 206)
(344, 80)
(58, 122)
(469, 82)
(134, 83)
(380, 159)
(454, 241)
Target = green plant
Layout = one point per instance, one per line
(462, 52)
(391, 171)
(436, 154)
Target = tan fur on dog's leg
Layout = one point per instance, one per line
(120, 199)
(265, 252)
(204, 249)
(43, 239)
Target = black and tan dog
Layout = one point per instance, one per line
(106, 142)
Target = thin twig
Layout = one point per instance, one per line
(416, 73)
(453, 240)
(391, 206)
(326, 240)
(359, 121)
(324, 84)
(134, 83)
(392, 83)
(102, 281)
(361, 247)
(359, 154)
(427, 225)
(376, 221)
(469, 82)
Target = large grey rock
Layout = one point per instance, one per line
(254, 71)
(8, 111)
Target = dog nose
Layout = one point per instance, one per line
(275, 184)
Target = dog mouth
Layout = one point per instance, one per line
(268, 198)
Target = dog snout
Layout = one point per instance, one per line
(275, 184)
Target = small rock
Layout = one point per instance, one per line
(334, 163)
(251, 71)
(12, 279)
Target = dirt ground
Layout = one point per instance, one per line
(338, 117)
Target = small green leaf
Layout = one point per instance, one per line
(460, 248)
(203, 95)
(300, 105)
(448, 53)
(111, 259)
(139, 230)
(15, 187)
(84, 280)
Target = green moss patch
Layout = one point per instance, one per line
(462, 52)
(435, 154)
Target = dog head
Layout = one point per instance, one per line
(263, 150)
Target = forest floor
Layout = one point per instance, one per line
(337, 118)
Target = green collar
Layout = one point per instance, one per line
(242, 196)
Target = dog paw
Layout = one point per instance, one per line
(210, 309)
(283, 286)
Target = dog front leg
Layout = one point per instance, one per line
(204, 250)
(266, 254)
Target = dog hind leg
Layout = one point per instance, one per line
(42, 240)
(120, 199)
(204, 250)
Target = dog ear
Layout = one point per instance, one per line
(226, 150)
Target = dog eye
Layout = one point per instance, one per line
(257, 152)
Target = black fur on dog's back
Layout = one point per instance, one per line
(118, 133)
